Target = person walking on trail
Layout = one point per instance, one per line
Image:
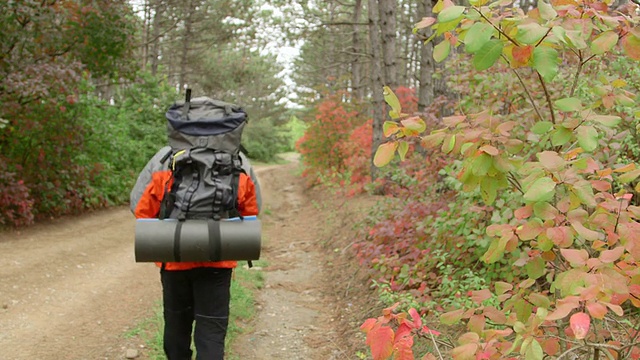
(201, 175)
(194, 291)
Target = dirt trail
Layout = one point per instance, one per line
(71, 289)
(296, 319)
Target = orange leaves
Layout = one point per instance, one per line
(424, 23)
(521, 55)
(551, 160)
(385, 153)
(464, 352)
(451, 317)
(604, 42)
(490, 150)
(575, 257)
(597, 310)
(631, 44)
(379, 338)
(384, 342)
(613, 255)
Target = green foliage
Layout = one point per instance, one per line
(264, 140)
(247, 78)
(558, 144)
(121, 138)
(105, 30)
(46, 50)
(295, 129)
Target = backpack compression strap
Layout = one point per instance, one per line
(187, 106)
(235, 184)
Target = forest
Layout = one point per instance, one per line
(502, 135)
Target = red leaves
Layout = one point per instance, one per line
(417, 320)
(577, 235)
(609, 256)
(481, 295)
(580, 323)
(597, 310)
(575, 257)
(324, 146)
(379, 338)
(385, 342)
(522, 55)
(17, 209)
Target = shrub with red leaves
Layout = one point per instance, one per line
(17, 206)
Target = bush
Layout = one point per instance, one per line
(323, 144)
(120, 138)
(263, 140)
(294, 130)
(17, 206)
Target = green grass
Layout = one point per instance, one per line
(150, 331)
(244, 286)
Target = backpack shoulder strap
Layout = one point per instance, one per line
(157, 163)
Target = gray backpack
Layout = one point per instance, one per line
(204, 136)
(160, 162)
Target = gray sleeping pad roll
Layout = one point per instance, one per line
(171, 240)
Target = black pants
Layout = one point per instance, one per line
(201, 295)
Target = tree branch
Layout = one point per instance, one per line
(566, 353)
(495, 27)
(535, 107)
(575, 78)
(548, 96)
(343, 23)
(151, 41)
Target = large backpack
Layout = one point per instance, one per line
(160, 162)
(204, 136)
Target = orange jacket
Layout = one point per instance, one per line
(149, 207)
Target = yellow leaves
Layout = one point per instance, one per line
(391, 99)
(385, 153)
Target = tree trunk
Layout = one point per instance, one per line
(427, 64)
(405, 59)
(184, 59)
(356, 65)
(145, 40)
(387, 20)
(158, 9)
(376, 82)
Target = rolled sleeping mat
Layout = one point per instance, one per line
(171, 240)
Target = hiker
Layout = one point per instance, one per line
(196, 291)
